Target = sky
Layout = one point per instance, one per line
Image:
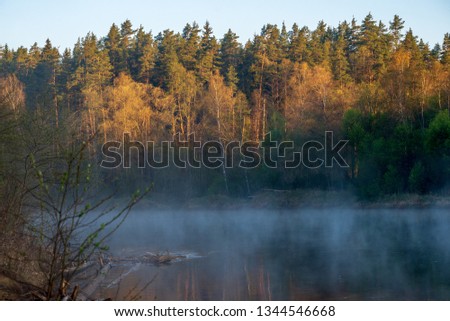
(24, 22)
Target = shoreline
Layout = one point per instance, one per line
(294, 199)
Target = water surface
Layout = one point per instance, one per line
(330, 254)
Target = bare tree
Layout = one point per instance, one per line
(69, 220)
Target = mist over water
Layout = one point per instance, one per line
(332, 254)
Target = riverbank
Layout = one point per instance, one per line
(292, 199)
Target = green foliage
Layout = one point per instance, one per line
(417, 180)
(392, 181)
(353, 127)
(379, 87)
(396, 157)
(437, 139)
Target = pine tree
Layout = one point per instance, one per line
(34, 56)
(91, 77)
(382, 49)
(20, 62)
(230, 51)
(126, 33)
(410, 44)
(6, 61)
(112, 43)
(166, 57)
(395, 27)
(373, 50)
(445, 60)
(63, 79)
(339, 62)
(445, 52)
(319, 45)
(284, 41)
(50, 67)
(37, 78)
(352, 37)
(77, 54)
(425, 52)
(231, 78)
(298, 39)
(94, 70)
(188, 52)
(436, 51)
(126, 46)
(207, 55)
(142, 60)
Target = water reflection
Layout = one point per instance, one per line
(285, 255)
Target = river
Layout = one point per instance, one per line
(304, 254)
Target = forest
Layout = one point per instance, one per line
(378, 86)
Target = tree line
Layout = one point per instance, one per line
(379, 86)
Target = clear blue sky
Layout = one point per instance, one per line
(24, 22)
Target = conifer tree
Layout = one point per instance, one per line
(318, 46)
(229, 54)
(207, 55)
(339, 62)
(395, 28)
(20, 61)
(126, 46)
(51, 67)
(298, 39)
(112, 43)
(34, 56)
(166, 57)
(445, 53)
(144, 56)
(188, 51)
